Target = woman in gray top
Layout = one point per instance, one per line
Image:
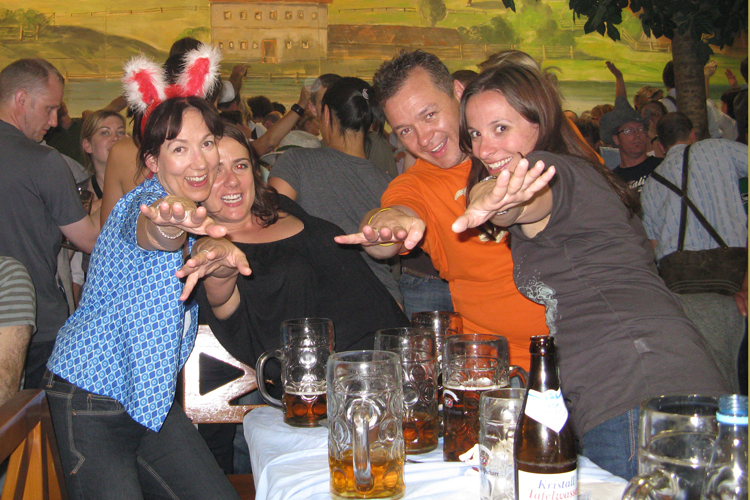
(580, 250)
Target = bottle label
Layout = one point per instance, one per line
(547, 408)
(533, 486)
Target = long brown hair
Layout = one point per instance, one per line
(536, 99)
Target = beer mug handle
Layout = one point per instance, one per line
(361, 444)
(641, 487)
(259, 376)
(517, 371)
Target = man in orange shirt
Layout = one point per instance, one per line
(421, 103)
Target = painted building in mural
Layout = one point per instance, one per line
(272, 31)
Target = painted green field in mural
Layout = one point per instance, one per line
(91, 38)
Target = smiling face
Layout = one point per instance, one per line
(426, 120)
(233, 192)
(500, 136)
(110, 130)
(39, 109)
(186, 165)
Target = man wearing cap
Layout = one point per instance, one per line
(626, 129)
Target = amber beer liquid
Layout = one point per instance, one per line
(304, 409)
(387, 477)
(544, 448)
(420, 432)
(461, 419)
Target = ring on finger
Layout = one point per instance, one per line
(184, 216)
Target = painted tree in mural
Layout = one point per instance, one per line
(691, 25)
(433, 10)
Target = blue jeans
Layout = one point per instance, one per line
(422, 294)
(613, 445)
(105, 454)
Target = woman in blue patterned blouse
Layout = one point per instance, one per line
(114, 368)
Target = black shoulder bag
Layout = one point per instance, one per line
(718, 270)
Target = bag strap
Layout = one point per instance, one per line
(683, 203)
(687, 203)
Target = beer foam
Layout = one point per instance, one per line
(302, 392)
(474, 385)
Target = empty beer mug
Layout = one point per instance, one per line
(443, 323)
(416, 348)
(498, 414)
(676, 435)
(365, 410)
(307, 344)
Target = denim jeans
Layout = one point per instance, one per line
(421, 294)
(613, 445)
(105, 454)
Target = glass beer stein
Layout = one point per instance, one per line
(443, 323)
(473, 363)
(365, 410)
(676, 435)
(307, 344)
(416, 348)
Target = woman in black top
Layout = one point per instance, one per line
(297, 269)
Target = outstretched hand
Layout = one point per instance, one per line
(182, 213)
(217, 257)
(506, 192)
(387, 226)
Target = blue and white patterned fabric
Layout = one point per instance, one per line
(716, 166)
(131, 334)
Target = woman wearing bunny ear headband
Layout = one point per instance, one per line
(112, 375)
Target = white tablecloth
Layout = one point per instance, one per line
(292, 463)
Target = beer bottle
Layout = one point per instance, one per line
(544, 447)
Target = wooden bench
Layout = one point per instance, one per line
(27, 437)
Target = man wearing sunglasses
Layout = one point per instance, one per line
(627, 130)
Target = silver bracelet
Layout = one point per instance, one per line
(168, 236)
(488, 178)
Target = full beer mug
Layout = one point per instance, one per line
(676, 435)
(416, 348)
(365, 410)
(307, 344)
(473, 363)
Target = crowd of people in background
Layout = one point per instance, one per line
(363, 202)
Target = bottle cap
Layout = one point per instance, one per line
(733, 409)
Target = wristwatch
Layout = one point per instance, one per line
(298, 109)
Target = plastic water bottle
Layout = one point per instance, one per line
(726, 478)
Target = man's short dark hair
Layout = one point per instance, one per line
(391, 75)
(673, 128)
(728, 99)
(260, 105)
(30, 75)
(667, 76)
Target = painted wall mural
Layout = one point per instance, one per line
(289, 41)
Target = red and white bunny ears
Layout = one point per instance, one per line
(146, 85)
